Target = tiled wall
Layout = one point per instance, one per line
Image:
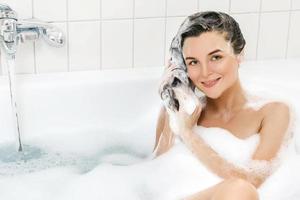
(106, 34)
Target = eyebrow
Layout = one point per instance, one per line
(215, 51)
(191, 58)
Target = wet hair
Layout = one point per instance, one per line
(208, 21)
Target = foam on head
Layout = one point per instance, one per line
(208, 21)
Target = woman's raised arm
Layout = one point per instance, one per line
(164, 136)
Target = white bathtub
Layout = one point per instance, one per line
(85, 108)
(115, 111)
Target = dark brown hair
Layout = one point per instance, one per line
(215, 21)
(207, 21)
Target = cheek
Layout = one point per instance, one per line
(230, 72)
(193, 74)
(228, 67)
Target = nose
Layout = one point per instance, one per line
(204, 70)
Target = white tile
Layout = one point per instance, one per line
(173, 24)
(153, 8)
(295, 4)
(294, 42)
(272, 41)
(216, 5)
(116, 47)
(83, 10)
(1, 64)
(117, 9)
(181, 7)
(238, 6)
(54, 10)
(250, 34)
(273, 5)
(51, 59)
(23, 8)
(149, 42)
(25, 58)
(84, 45)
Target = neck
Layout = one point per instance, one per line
(230, 102)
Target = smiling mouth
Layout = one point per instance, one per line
(211, 83)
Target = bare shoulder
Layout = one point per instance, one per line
(276, 114)
(278, 108)
(276, 118)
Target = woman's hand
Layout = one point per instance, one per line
(181, 103)
(173, 76)
(182, 122)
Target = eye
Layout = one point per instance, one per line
(216, 57)
(193, 62)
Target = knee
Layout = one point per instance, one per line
(236, 188)
(241, 184)
(243, 189)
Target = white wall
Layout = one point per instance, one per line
(106, 34)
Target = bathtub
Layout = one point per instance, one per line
(107, 117)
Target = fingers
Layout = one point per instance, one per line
(168, 78)
(188, 102)
(173, 77)
(169, 63)
(197, 111)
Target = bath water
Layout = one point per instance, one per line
(12, 89)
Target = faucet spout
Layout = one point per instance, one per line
(13, 31)
(8, 19)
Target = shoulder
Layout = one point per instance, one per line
(276, 110)
(276, 118)
(274, 127)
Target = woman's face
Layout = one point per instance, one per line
(211, 63)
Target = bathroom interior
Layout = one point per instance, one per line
(79, 94)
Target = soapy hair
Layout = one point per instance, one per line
(208, 21)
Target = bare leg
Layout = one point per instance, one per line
(205, 194)
(230, 189)
(236, 189)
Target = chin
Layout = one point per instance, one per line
(213, 95)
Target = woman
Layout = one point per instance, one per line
(211, 47)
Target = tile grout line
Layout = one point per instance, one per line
(68, 36)
(101, 43)
(161, 17)
(133, 28)
(34, 44)
(165, 32)
(288, 33)
(258, 30)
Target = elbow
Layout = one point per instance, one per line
(254, 179)
(258, 181)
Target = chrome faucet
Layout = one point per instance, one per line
(13, 31)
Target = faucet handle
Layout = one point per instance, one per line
(33, 29)
(7, 12)
(54, 36)
(7, 29)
